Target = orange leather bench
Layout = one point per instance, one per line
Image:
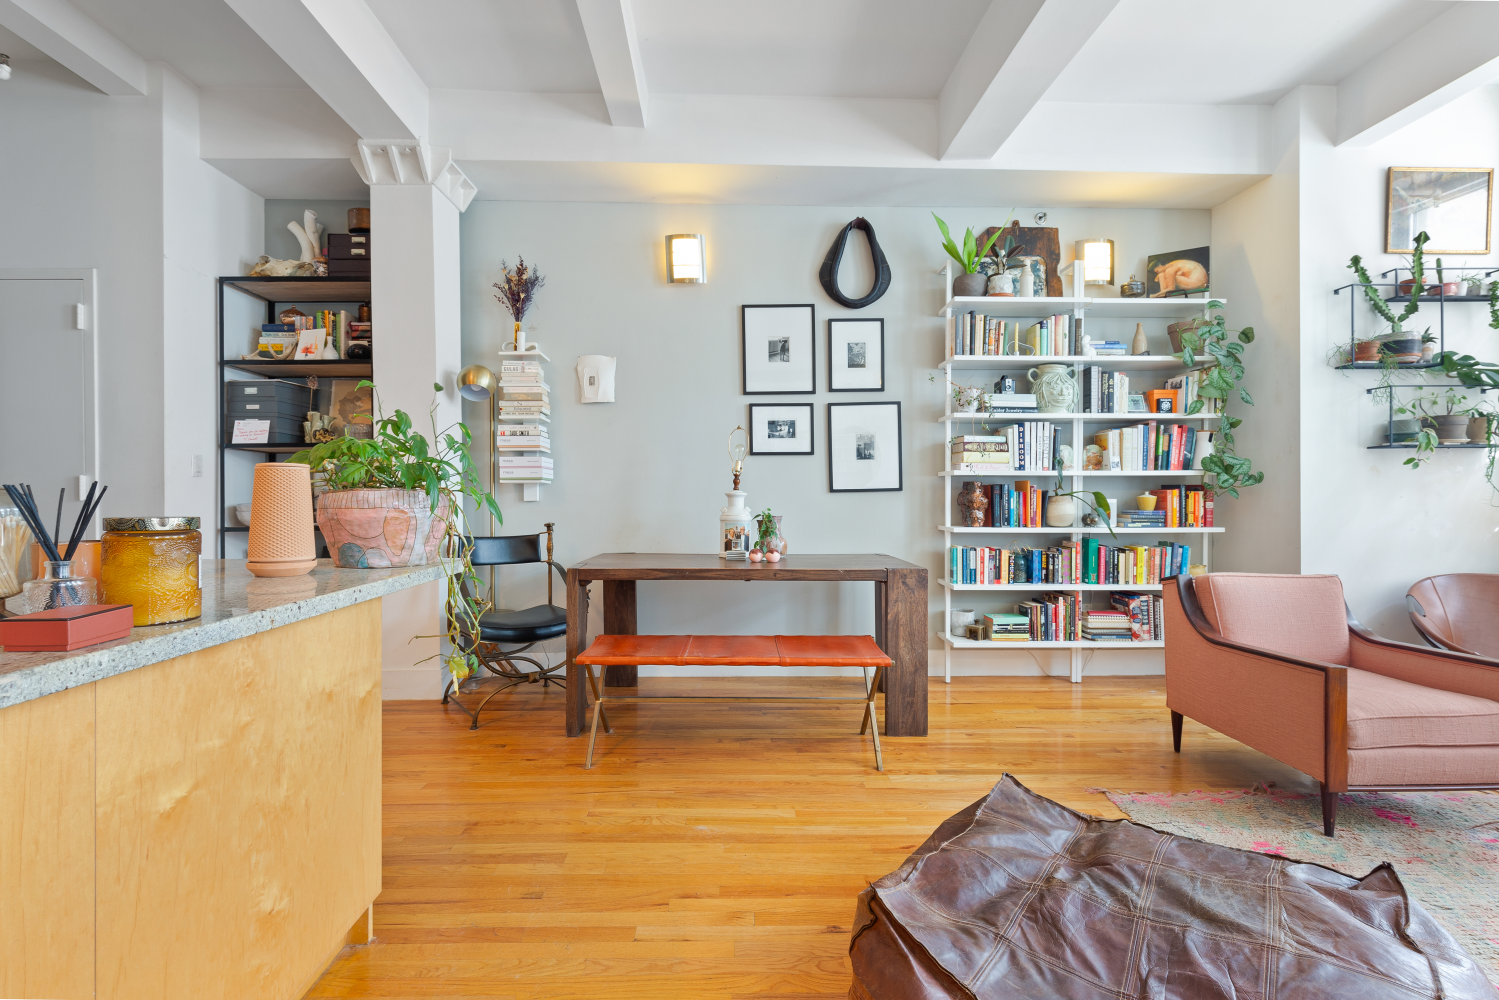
(735, 651)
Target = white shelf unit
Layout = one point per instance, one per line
(1129, 310)
(528, 490)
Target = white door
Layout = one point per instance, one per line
(47, 386)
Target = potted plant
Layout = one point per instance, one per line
(1443, 419)
(970, 282)
(1061, 505)
(395, 499)
(770, 542)
(1224, 469)
(1377, 301)
(1402, 347)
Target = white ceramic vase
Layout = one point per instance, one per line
(1055, 388)
(1061, 512)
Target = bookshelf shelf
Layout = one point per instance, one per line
(1074, 429)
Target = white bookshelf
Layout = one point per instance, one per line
(530, 490)
(1154, 367)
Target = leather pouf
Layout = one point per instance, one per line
(281, 542)
(374, 528)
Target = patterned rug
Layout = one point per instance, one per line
(1444, 845)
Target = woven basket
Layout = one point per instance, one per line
(281, 542)
(373, 528)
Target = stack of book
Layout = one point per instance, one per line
(972, 334)
(523, 392)
(1104, 391)
(525, 469)
(1052, 618)
(522, 437)
(1010, 402)
(1031, 444)
(1145, 612)
(981, 454)
(1110, 348)
(1142, 519)
(986, 566)
(1151, 447)
(1133, 564)
(1106, 625)
(1010, 628)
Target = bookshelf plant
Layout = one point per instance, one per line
(993, 337)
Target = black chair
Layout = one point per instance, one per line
(520, 629)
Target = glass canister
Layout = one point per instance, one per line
(151, 563)
(15, 541)
(59, 587)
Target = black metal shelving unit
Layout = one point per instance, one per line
(275, 292)
(1390, 441)
(1441, 299)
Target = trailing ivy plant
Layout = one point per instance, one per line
(1494, 305)
(1376, 297)
(1227, 470)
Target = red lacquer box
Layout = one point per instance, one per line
(62, 629)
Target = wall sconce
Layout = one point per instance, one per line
(1096, 259)
(685, 258)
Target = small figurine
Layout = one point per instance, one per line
(1089, 351)
(1134, 288)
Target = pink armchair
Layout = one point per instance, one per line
(1279, 663)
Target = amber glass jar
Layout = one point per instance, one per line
(151, 563)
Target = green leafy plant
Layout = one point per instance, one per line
(766, 522)
(1225, 469)
(399, 458)
(1425, 407)
(1376, 297)
(1093, 498)
(971, 253)
(1494, 305)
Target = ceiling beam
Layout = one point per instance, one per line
(1449, 56)
(69, 36)
(610, 27)
(1014, 55)
(345, 54)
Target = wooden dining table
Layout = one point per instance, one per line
(900, 615)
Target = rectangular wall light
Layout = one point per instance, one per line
(685, 259)
(1096, 259)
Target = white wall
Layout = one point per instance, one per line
(648, 472)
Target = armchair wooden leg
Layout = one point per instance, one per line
(1329, 811)
(1176, 731)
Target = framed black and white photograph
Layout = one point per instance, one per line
(856, 355)
(781, 428)
(864, 447)
(778, 349)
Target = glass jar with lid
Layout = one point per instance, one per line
(15, 545)
(151, 563)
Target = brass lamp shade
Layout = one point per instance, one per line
(476, 382)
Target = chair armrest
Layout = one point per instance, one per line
(1292, 709)
(1443, 669)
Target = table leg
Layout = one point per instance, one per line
(905, 640)
(880, 595)
(619, 619)
(576, 699)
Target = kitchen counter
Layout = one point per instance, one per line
(235, 605)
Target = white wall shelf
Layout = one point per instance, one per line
(1164, 365)
(530, 489)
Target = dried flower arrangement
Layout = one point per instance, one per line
(517, 292)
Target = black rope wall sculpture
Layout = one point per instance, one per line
(829, 273)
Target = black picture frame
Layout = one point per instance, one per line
(1179, 264)
(834, 338)
(761, 442)
(846, 437)
(784, 322)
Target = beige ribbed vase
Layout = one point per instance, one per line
(281, 542)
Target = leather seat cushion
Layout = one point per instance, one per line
(545, 621)
(1387, 712)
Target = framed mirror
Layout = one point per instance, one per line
(1452, 204)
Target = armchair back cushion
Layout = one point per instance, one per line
(1462, 611)
(1300, 616)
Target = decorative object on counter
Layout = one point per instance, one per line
(973, 502)
(281, 541)
(1225, 470)
(596, 378)
(769, 540)
(777, 349)
(15, 542)
(1138, 345)
(781, 429)
(1054, 387)
(86, 559)
(828, 274)
(864, 447)
(359, 220)
(268, 267)
(1181, 272)
(686, 259)
(856, 355)
(1452, 203)
(65, 628)
(59, 586)
(309, 234)
(517, 295)
(970, 282)
(151, 564)
(1134, 288)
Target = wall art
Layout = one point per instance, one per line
(829, 273)
(1181, 272)
(781, 429)
(856, 355)
(778, 349)
(1453, 205)
(864, 447)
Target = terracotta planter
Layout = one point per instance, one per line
(373, 528)
(1366, 350)
(281, 542)
(1478, 430)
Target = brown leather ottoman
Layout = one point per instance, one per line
(1017, 896)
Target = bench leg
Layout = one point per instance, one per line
(598, 708)
(598, 696)
(870, 722)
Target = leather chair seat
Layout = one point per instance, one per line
(545, 621)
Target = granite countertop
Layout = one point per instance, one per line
(235, 604)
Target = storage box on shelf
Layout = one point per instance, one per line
(1164, 456)
(523, 416)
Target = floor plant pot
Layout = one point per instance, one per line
(970, 284)
(373, 528)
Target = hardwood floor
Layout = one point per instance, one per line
(715, 850)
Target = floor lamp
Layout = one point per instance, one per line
(477, 383)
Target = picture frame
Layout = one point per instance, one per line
(1453, 205)
(353, 406)
(856, 355)
(781, 429)
(864, 448)
(1178, 273)
(777, 347)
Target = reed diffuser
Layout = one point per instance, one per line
(58, 586)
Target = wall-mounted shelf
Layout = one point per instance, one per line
(1018, 308)
(303, 369)
(1062, 418)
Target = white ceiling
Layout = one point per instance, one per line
(203, 39)
(17, 49)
